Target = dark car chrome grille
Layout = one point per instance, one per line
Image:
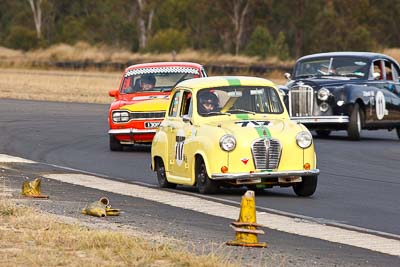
(146, 115)
(301, 100)
(266, 153)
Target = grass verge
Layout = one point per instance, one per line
(32, 238)
(62, 86)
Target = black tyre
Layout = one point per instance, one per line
(115, 145)
(355, 124)
(323, 133)
(161, 176)
(204, 183)
(398, 132)
(306, 187)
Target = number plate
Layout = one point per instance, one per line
(151, 124)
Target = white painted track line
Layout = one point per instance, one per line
(12, 159)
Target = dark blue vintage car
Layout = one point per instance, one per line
(345, 91)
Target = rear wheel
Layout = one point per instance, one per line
(115, 145)
(204, 183)
(306, 187)
(398, 132)
(355, 124)
(323, 133)
(161, 176)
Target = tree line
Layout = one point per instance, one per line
(264, 28)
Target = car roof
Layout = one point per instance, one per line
(164, 64)
(367, 55)
(220, 81)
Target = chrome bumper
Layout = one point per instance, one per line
(321, 119)
(266, 174)
(131, 131)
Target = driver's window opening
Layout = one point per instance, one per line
(377, 70)
(173, 111)
(388, 71)
(186, 108)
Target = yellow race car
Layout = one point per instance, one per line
(232, 131)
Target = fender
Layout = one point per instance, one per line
(161, 144)
(354, 92)
(204, 148)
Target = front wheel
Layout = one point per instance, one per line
(306, 187)
(204, 183)
(115, 145)
(355, 124)
(162, 177)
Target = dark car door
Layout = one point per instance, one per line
(392, 71)
(382, 109)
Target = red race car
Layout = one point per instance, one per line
(142, 98)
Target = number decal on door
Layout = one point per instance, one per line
(180, 141)
(380, 105)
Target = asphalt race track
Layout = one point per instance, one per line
(358, 186)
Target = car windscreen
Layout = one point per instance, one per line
(332, 66)
(238, 100)
(153, 82)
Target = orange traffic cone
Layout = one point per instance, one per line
(246, 226)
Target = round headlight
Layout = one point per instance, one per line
(227, 142)
(324, 107)
(304, 139)
(323, 94)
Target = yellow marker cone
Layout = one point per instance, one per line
(32, 189)
(101, 208)
(246, 225)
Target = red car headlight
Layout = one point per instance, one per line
(120, 116)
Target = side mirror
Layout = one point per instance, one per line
(112, 93)
(287, 76)
(186, 119)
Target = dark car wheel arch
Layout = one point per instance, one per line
(204, 184)
(161, 176)
(356, 121)
(115, 145)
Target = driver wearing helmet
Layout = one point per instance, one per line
(147, 82)
(208, 102)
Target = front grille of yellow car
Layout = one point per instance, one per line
(266, 153)
(301, 101)
(146, 115)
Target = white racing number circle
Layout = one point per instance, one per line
(380, 105)
(180, 140)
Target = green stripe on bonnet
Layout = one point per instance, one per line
(263, 132)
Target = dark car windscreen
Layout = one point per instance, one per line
(332, 66)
